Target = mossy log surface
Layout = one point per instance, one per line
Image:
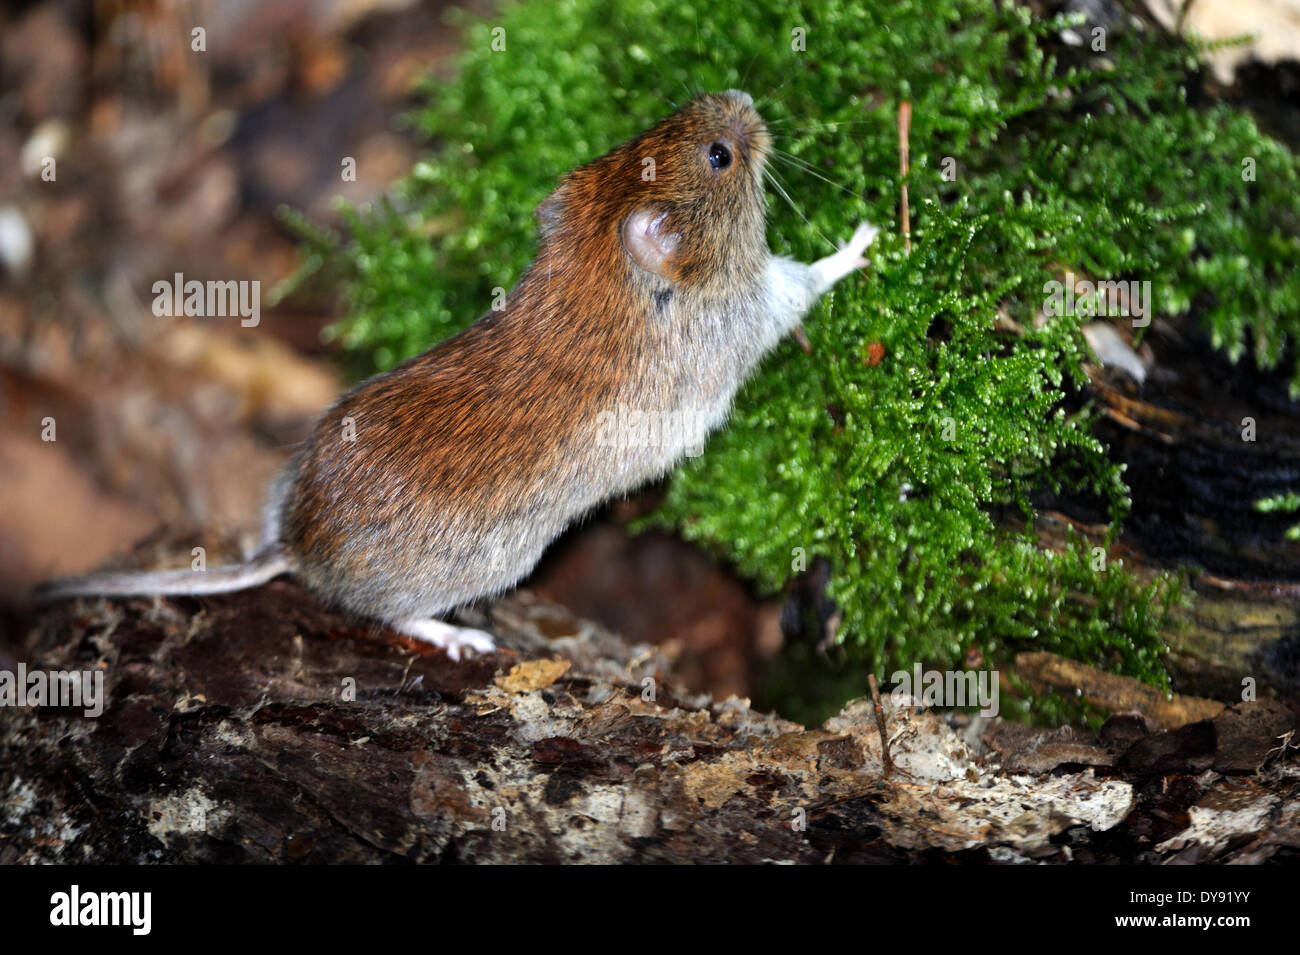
(230, 735)
(1196, 471)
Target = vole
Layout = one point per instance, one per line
(442, 480)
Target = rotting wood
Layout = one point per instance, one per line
(232, 734)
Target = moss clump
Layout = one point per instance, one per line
(890, 463)
(1288, 503)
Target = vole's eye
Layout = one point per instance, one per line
(719, 156)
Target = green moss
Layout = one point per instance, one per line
(889, 469)
(1284, 503)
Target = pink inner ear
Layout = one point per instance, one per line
(648, 242)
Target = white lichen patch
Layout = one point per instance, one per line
(1020, 812)
(939, 795)
(52, 829)
(616, 812)
(921, 745)
(1215, 828)
(192, 811)
(239, 737)
(20, 800)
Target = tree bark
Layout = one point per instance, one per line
(260, 727)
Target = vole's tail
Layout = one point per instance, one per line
(218, 580)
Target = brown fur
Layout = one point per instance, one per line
(493, 427)
(656, 296)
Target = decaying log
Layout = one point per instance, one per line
(1113, 692)
(1232, 631)
(259, 727)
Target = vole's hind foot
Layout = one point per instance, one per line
(448, 636)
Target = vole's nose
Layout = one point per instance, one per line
(744, 98)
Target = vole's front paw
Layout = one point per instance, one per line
(861, 239)
(847, 260)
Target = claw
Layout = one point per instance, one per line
(449, 637)
(848, 259)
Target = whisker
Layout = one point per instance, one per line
(699, 42)
(807, 167)
(832, 123)
(663, 78)
(829, 127)
(770, 94)
(745, 79)
(771, 177)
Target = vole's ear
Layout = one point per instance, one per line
(551, 210)
(650, 243)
